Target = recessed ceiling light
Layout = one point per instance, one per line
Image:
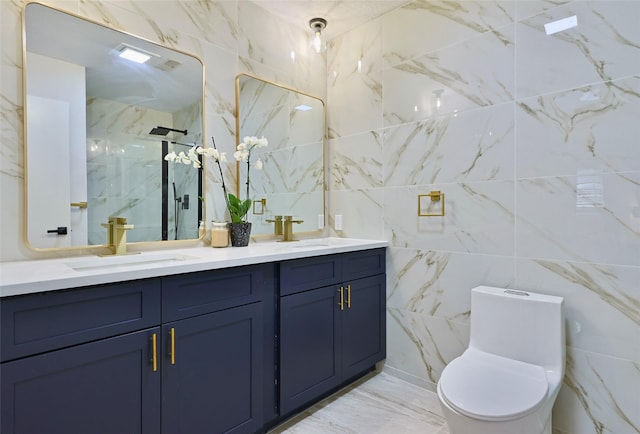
(561, 25)
(134, 55)
(303, 107)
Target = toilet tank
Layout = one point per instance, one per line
(519, 325)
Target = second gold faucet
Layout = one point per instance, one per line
(284, 227)
(287, 234)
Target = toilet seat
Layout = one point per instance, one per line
(492, 388)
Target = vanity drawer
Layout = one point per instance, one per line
(365, 263)
(188, 295)
(299, 275)
(37, 323)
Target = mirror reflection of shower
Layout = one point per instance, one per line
(181, 190)
(163, 131)
(177, 205)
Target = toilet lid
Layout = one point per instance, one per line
(489, 387)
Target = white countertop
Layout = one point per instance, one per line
(26, 277)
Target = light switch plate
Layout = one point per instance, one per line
(338, 222)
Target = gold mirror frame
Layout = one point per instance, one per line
(264, 202)
(103, 247)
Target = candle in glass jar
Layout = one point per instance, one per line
(219, 234)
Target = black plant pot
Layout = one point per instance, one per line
(240, 234)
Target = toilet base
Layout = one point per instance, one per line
(538, 422)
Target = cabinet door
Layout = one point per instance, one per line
(107, 386)
(212, 373)
(364, 325)
(309, 346)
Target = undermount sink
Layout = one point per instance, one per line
(127, 261)
(311, 243)
(318, 242)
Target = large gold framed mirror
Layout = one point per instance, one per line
(97, 126)
(291, 181)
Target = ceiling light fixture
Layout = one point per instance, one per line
(317, 25)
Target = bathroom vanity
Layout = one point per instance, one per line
(203, 340)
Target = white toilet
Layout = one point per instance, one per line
(508, 379)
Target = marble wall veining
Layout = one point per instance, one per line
(534, 141)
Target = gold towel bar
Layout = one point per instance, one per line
(435, 196)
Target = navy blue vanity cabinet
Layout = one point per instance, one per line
(214, 359)
(191, 353)
(82, 360)
(107, 386)
(363, 325)
(310, 352)
(332, 323)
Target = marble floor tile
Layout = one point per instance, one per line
(377, 404)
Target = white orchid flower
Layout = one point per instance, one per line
(183, 158)
(198, 153)
(241, 155)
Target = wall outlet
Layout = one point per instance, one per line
(338, 222)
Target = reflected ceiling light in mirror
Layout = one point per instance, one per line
(303, 108)
(317, 25)
(133, 54)
(438, 94)
(561, 25)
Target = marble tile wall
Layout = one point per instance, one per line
(534, 141)
(229, 36)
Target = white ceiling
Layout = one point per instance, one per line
(341, 16)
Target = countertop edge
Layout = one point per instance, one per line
(43, 275)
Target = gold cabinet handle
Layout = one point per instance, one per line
(154, 351)
(172, 333)
(348, 296)
(341, 304)
(79, 204)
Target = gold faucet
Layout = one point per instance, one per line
(288, 228)
(277, 224)
(117, 234)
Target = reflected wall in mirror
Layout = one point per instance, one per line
(92, 146)
(291, 181)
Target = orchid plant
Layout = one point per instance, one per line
(243, 154)
(238, 209)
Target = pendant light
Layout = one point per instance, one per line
(317, 25)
